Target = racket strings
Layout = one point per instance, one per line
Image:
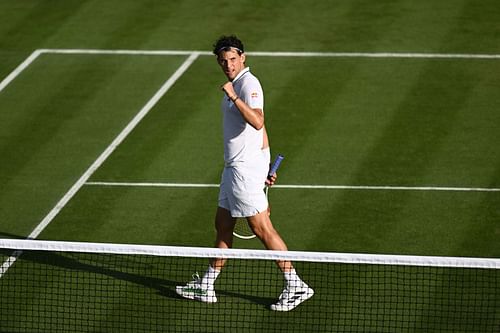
(242, 229)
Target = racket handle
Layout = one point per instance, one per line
(275, 165)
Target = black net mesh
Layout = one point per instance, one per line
(58, 291)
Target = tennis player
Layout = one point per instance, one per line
(247, 159)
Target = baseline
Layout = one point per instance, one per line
(283, 54)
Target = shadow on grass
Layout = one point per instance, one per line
(119, 267)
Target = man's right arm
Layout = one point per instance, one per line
(255, 117)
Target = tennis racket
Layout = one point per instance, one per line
(241, 229)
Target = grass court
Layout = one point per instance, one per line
(386, 112)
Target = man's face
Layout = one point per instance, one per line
(231, 63)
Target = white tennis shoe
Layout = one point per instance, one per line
(197, 291)
(292, 296)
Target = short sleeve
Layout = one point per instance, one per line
(252, 94)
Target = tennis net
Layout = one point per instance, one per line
(48, 286)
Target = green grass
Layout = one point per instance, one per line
(355, 135)
(338, 121)
(58, 116)
(134, 293)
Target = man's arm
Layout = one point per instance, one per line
(255, 117)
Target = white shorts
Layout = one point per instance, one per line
(242, 187)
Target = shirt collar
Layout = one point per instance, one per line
(240, 74)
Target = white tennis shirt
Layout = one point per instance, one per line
(242, 142)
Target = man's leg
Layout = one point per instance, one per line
(263, 228)
(224, 226)
(202, 289)
(295, 291)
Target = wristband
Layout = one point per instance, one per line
(234, 99)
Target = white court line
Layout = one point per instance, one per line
(193, 55)
(36, 53)
(310, 187)
(128, 184)
(105, 154)
(376, 55)
(125, 52)
(283, 54)
(19, 69)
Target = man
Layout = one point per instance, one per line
(247, 157)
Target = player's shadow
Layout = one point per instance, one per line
(8, 235)
(123, 268)
(264, 301)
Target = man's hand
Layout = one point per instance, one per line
(229, 90)
(255, 117)
(271, 179)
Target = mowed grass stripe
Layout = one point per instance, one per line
(116, 142)
(180, 138)
(63, 111)
(337, 129)
(404, 153)
(102, 157)
(343, 124)
(149, 216)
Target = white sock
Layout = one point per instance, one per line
(292, 279)
(209, 278)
